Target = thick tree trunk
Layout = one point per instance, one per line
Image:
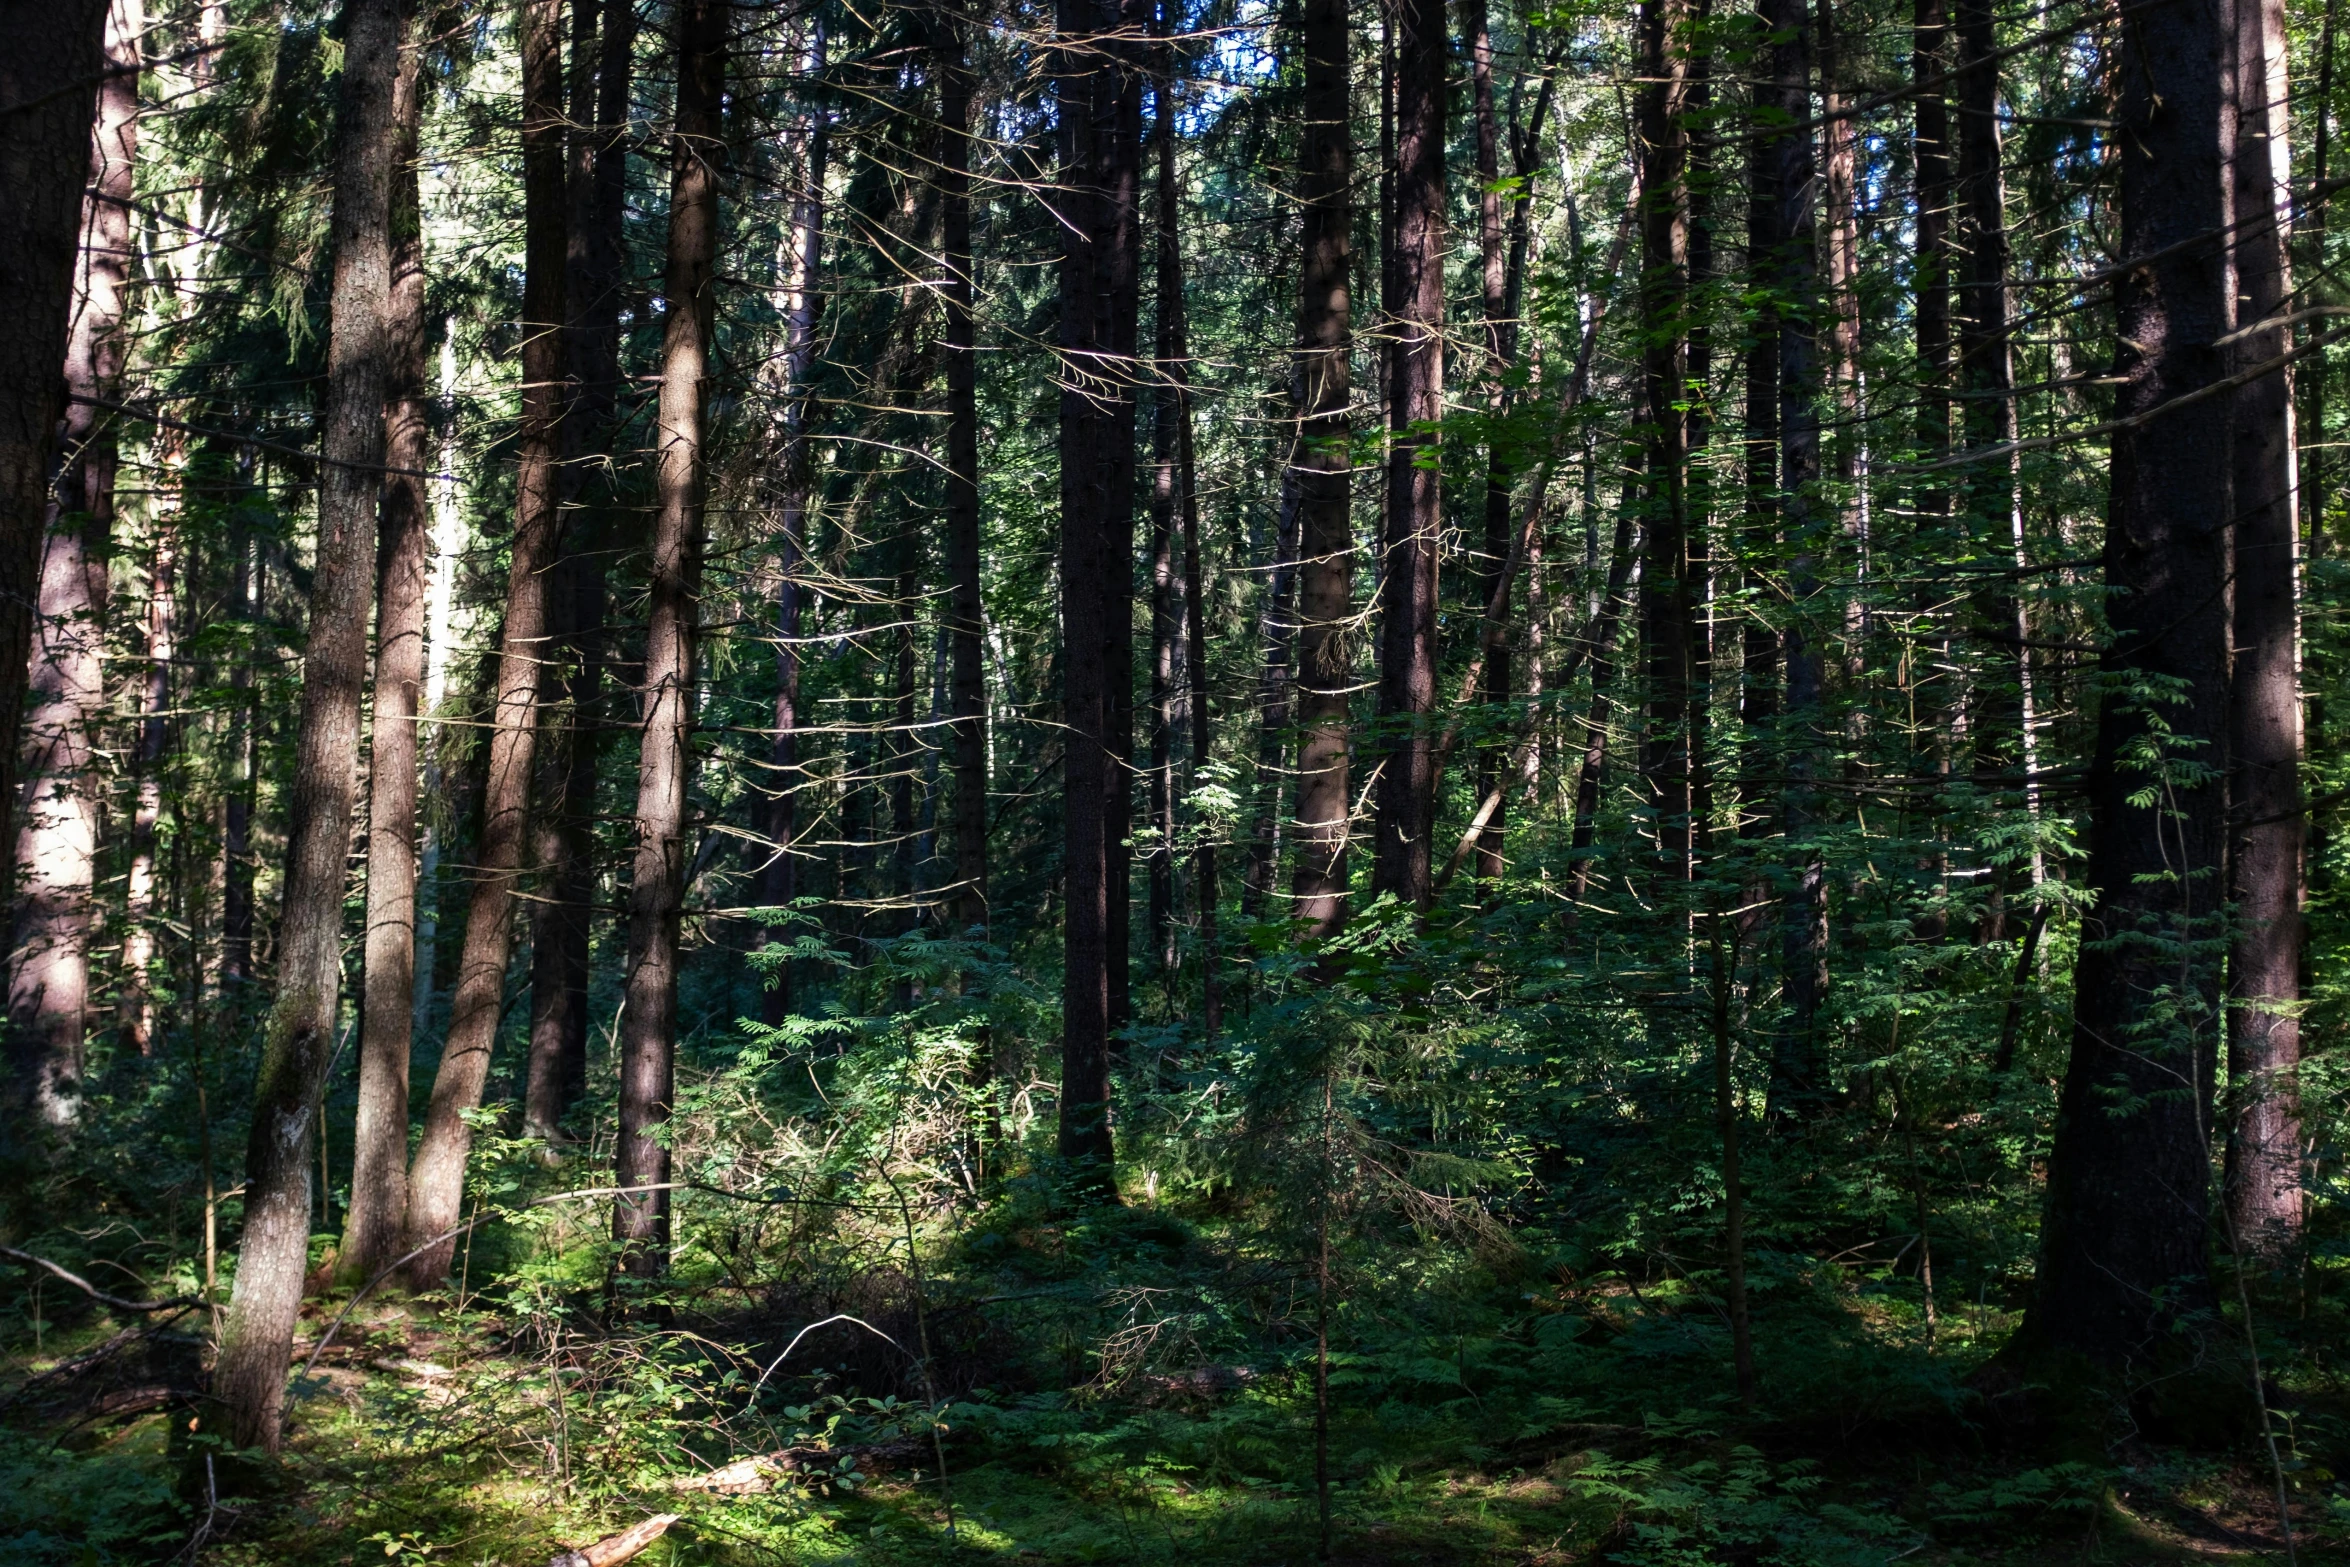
(1666, 609)
(2264, 704)
(1100, 134)
(2122, 1248)
(436, 1178)
(379, 1145)
(656, 895)
(562, 926)
(57, 825)
(1794, 270)
(257, 1337)
(779, 883)
(52, 65)
(1415, 505)
(966, 625)
(1325, 473)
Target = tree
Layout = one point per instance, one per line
(966, 612)
(656, 895)
(257, 1337)
(1415, 502)
(1099, 103)
(378, 1212)
(57, 836)
(436, 1175)
(1325, 472)
(2122, 1258)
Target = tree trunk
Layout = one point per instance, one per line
(1661, 114)
(2264, 704)
(1600, 645)
(379, 1146)
(257, 1337)
(563, 925)
(1170, 679)
(779, 884)
(1325, 473)
(1415, 504)
(1794, 270)
(57, 833)
(436, 1178)
(137, 1006)
(966, 624)
(2122, 1248)
(1275, 697)
(656, 895)
(1100, 134)
(1495, 305)
(248, 587)
(1930, 280)
(44, 167)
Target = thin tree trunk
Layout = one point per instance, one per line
(966, 622)
(2264, 702)
(1204, 891)
(779, 884)
(137, 1006)
(1493, 253)
(257, 1336)
(656, 897)
(563, 925)
(1930, 279)
(1324, 473)
(1599, 718)
(1100, 133)
(57, 830)
(436, 1177)
(1170, 680)
(52, 67)
(379, 1145)
(1794, 269)
(1275, 696)
(247, 589)
(1415, 510)
(2123, 1245)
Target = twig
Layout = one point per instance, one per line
(92, 1290)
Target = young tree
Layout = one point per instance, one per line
(2122, 1247)
(57, 836)
(656, 896)
(967, 678)
(1325, 470)
(1415, 502)
(436, 1176)
(257, 1336)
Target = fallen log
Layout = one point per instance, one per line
(613, 1549)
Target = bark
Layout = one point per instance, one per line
(52, 65)
(1794, 273)
(57, 828)
(1758, 692)
(656, 896)
(1415, 511)
(1170, 676)
(1666, 610)
(1324, 474)
(2122, 1250)
(379, 1146)
(604, 46)
(1600, 643)
(436, 1177)
(966, 625)
(257, 1337)
(2265, 1204)
(802, 302)
(248, 588)
(1100, 135)
(1276, 696)
(1930, 158)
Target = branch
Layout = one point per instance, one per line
(92, 1290)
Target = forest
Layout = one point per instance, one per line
(1173, 781)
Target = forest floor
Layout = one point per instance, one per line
(1511, 1425)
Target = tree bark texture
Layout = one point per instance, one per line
(57, 822)
(656, 894)
(379, 1147)
(2122, 1247)
(2265, 1202)
(52, 64)
(966, 625)
(436, 1177)
(1415, 506)
(297, 1046)
(1100, 112)
(1325, 474)
(136, 1007)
